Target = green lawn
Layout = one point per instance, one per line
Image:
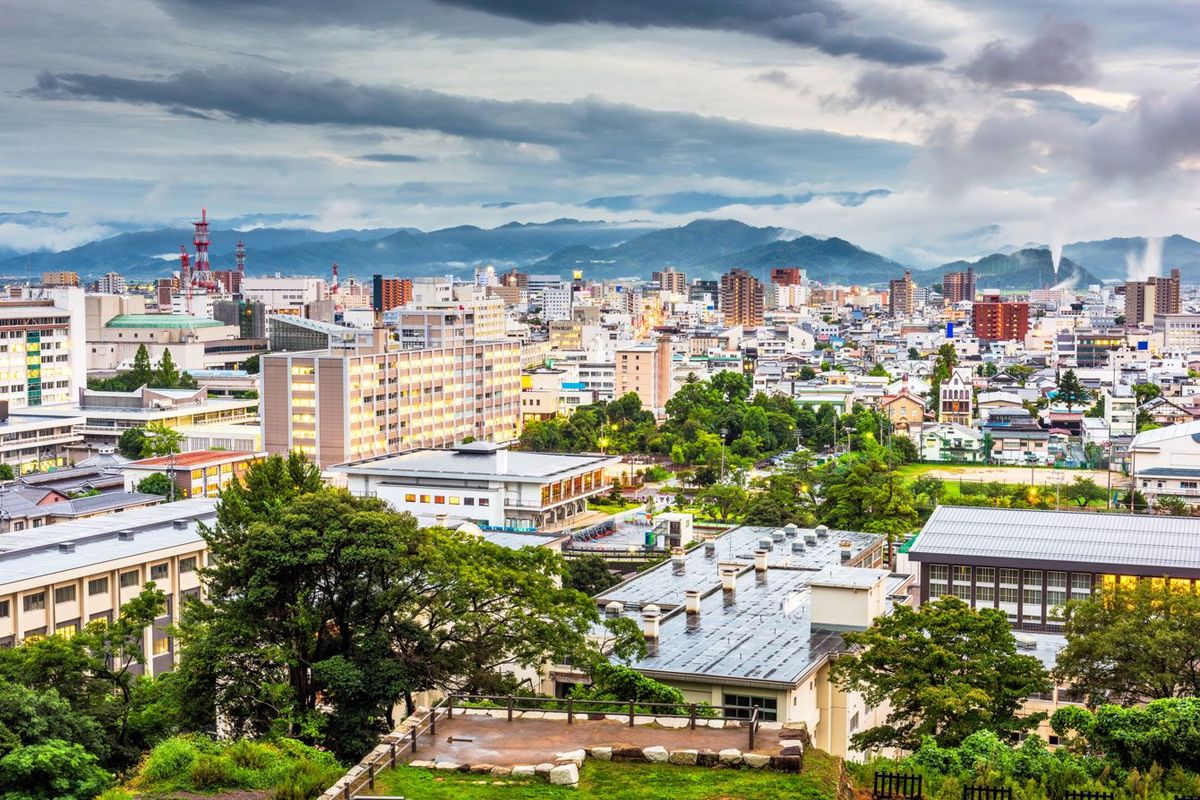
(600, 779)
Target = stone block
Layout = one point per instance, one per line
(786, 743)
(564, 775)
(638, 719)
(501, 772)
(523, 771)
(673, 722)
(558, 716)
(422, 764)
(755, 760)
(627, 754)
(447, 766)
(770, 726)
(687, 758)
(730, 757)
(655, 755)
(601, 753)
(574, 756)
(482, 769)
(715, 723)
(707, 758)
(544, 768)
(533, 715)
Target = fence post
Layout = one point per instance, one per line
(570, 711)
(692, 717)
(413, 731)
(393, 754)
(346, 790)
(433, 721)
(449, 706)
(510, 707)
(371, 775)
(631, 713)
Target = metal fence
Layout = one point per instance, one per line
(896, 785)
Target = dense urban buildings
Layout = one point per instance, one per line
(741, 298)
(902, 296)
(996, 319)
(959, 286)
(1155, 295)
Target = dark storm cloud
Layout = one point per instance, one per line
(893, 87)
(820, 24)
(587, 134)
(778, 77)
(1061, 53)
(1153, 136)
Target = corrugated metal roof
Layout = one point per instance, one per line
(1096, 539)
(1163, 434)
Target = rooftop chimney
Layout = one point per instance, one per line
(650, 618)
(710, 549)
(678, 561)
(847, 549)
(729, 573)
(760, 560)
(691, 601)
(614, 609)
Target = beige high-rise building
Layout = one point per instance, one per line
(645, 369)
(60, 279)
(670, 280)
(346, 405)
(1155, 295)
(902, 296)
(741, 298)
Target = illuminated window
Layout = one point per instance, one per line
(161, 646)
(454, 501)
(424, 498)
(410, 498)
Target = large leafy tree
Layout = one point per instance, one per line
(724, 500)
(142, 372)
(132, 443)
(946, 670)
(1128, 644)
(326, 609)
(1084, 491)
(865, 494)
(1071, 392)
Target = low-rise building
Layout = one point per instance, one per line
(951, 443)
(486, 484)
(37, 441)
(1165, 462)
(58, 578)
(202, 473)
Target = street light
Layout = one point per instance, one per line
(724, 433)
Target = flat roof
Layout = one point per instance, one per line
(194, 458)
(35, 553)
(161, 321)
(476, 461)
(1091, 540)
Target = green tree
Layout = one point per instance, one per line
(250, 365)
(1084, 491)
(157, 483)
(132, 443)
(589, 574)
(1145, 392)
(725, 501)
(161, 441)
(142, 373)
(1070, 391)
(51, 770)
(1175, 506)
(166, 373)
(914, 354)
(1127, 644)
(946, 670)
(879, 371)
(864, 494)
(6, 472)
(928, 492)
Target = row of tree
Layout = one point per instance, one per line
(163, 375)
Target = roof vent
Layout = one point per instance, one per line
(790, 530)
(822, 531)
(1026, 642)
(710, 549)
(765, 543)
(797, 546)
(66, 547)
(125, 536)
(614, 609)
(810, 539)
(777, 535)
(179, 524)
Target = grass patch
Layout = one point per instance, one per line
(606, 506)
(619, 781)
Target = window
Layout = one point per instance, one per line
(741, 706)
(410, 498)
(439, 499)
(161, 646)
(64, 594)
(424, 498)
(67, 630)
(468, 501)
(187, 564)
(1032, 594)
(159, 572)
(1081, 584)
(130, 578)
(454, 501)
(1009, 591)
(483, 501)
(939, 580)
(854, 722)
(98, 586)
(962, 582)
(1056, 593)
(4, 609)
(985, 586)
(35, 602)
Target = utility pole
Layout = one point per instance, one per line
(724, 433)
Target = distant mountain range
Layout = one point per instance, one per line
(703, 248)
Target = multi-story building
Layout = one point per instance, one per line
(58, 578)
(111, 283)
(997, 320)
(959, 286)
(30, 442)
(1092, 348)
(60, 279)
(1180, 332)
(645, 369)
(670, 280)
(1120, 410)
(956, 402)
(249, 317)
(741, 298)
(286, 295)
(787, 276)
(486, 484)
(1165, 462)
(902, 301)
(1145, 299)
(41, 347)
(200, 473)
(389, 293)
(349, 404)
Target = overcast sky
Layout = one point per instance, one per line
(983, 122)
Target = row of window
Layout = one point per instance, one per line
(441, 499)
(95, 586)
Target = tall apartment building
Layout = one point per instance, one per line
(959, 286)
(389, 293)
(111, 283)
(787, 276)
(999, 320)
(60, 279)
(670, 280)
(42, 347)
(1155, 295)
(956, 401)
(347, 404)
(741, 298)
(902, 299)
(645, 369)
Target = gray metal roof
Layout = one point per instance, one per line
(35, 553)
(1169, 472)
(1121, 543)
(481, 463)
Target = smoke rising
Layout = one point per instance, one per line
(1149, 265)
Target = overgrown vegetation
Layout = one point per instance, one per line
(163, 375)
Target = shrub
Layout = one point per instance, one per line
(212, 772)
(307, 780)
(170, 760)
(250, 755)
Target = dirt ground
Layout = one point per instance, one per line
(1021, 475)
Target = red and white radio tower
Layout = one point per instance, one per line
(201, 240)
(241, 257)
(333, 289)
(185, 276)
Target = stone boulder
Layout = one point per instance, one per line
(707, 758)
(523, 771)
(730, 757)
(501, 772)
(655, 755)
(627, 754)
(687, 758)
(448, 766)
(564, 775)
(602, 753)
(544, 768)
(576, 757)
(755, 760)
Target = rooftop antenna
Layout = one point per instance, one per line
(185, 276)
(240, 254)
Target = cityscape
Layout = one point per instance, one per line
(538, 409)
